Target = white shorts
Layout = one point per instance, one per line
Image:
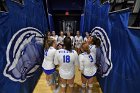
(66, 74)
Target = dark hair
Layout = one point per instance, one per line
(96, 41)
(46, 35)
(67, 43)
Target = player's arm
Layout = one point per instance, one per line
(74, 40)
(82, 39)
(56, 62)
(76, 59)
(58, 39)
(81, 62)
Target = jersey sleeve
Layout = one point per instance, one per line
(56, 62)
(58, 39)
(82, 39)
(81, 62)
(74, 40)
(76, 59)
(93, 49)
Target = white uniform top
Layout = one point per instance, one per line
(55, 37)
(93, 50)
(60, 39)
(78, 41)
(67, 61)
(85, 39)
(48, 62)
(72, 39)
(87, 64)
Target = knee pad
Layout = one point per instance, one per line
(71, 85)
(83, 85)
(90, 85)
(63, 85)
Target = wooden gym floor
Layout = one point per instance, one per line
(42, 87)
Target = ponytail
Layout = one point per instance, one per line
(49, 42)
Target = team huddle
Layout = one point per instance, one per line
(64, 53)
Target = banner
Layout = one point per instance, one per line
(51, 24)
(91, 12)
(120, 46)
(124, 77)
(82, 25)
(22, 30)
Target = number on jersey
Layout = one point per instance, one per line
(91, 58)
(66, 58)
(46, 52)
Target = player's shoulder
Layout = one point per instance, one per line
(73, 51)
(82, 54)
(71, 36)
(81, 36)
(92, 46)
(52, 49)
(60, 50)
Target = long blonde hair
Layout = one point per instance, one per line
(49, 42)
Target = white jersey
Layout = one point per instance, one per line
(48, 62)
(85, 39)
(67, 61)
(55, 37)
(78, 41)
(87, 64)
(60, 39)
(92, 49)
(72, 39)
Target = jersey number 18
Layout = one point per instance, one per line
(66, 58)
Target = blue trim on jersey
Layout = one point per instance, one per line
(48, 72)
(65, 51)
(90, 46)
(88, 77)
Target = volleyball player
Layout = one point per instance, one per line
(78, 41)
(66, 59)
(54, 36)
(91, 41)
(72, 38)
(86, 37)
(88, 67)
(48, 62)
(61, 37)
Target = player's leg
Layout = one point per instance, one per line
(63, 83)
(70, 83)
(90, 84)
(48, 79)
(54, 81)
(84, 80)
